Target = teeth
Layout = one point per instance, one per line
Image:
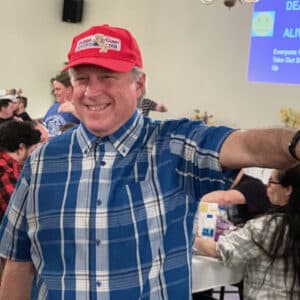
(97, 107)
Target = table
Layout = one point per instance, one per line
(210, 273)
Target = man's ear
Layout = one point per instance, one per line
(140, 85)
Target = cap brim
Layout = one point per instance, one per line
(110, 64)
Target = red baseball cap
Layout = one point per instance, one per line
(109, 47)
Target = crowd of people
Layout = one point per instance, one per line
(106, 208)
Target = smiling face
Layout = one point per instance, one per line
(61, 92)
(104, 100)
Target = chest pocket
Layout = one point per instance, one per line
(141, 218)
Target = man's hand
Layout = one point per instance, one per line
(17, 280)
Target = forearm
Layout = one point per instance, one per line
(224, 197)
(17, 281)
(258, 147)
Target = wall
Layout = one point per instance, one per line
(195, 55)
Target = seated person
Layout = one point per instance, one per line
(246, 199)
(272, 256)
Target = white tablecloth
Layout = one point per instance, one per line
(210, 273)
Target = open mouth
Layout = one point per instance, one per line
(97, 107)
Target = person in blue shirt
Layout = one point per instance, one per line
(57, 115)
(106, 210)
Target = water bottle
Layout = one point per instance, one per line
(207, 219)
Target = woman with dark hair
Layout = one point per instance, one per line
(269, 246)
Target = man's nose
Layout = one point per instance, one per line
(93, 89)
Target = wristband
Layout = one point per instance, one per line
(293, 143)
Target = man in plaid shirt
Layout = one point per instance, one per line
(105, 211)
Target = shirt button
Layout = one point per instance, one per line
(99, 202)
(98, 283)
(102, 163)
(98, 242)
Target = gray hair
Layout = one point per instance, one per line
(136, 74)
(71, 73)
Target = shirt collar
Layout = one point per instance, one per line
(122, 140)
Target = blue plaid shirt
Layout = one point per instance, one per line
(111, 218)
